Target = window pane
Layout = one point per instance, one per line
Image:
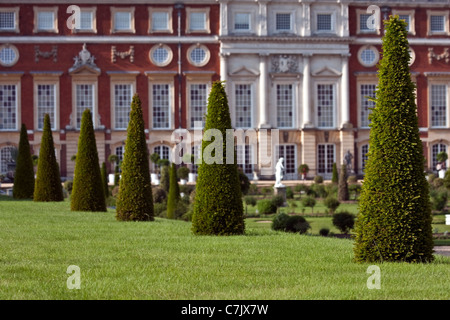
(85, 100)
(7, 20)
(407, 19)
(5, 158)
(45, 20)
(435, 150)
(160, 21)
(198, 103)
(197, 21)
(46, 103)
(243, 94)
(122, 105)
(7, 56)
(244, 158)
(324, 22)
(437, 23)
(160, 55)
(285, 106)
(367, 91)
(122, 21)
(363, 22)
(198, 55)
(86, 20)
(283, 21)
(439, 105)
(161, 106)
(325, 158)
(8, 107)
(325, 107)
(242, 21)
(364, 157)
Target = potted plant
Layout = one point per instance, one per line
(303, 169)
(183, 174)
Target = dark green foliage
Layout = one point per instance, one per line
(355, 190)
(249, 200)
(331, 203)
(266, 191)
(289, 193)
(317, 190)
(68, 186)
(135, 201)
(174, 193)
(343, 194)
(278, 201)
(266, 206)
(165, 178)
(284, 222)
(116, 175)
(47, 186)
(245, 182)
(324, 232)
(88, 192)
(394, 221)
(439, 198)
(318, 179)
(183, 172)
(159, 195)
(335, 176)
(105, 180)
(24, 176)
(344, 221)
(218, 206)
(301, 188)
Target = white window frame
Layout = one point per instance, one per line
(14, 81)
(250, 22)
(333, 21)
(328, 171)
(120, 79)
(93, 29)
(191, 82)
(206, 11)
(207, 55)
(168, 28)
(94, 110)
(16, 52)
(292, 22)
(335, 102)
(55, 120)
(15, 11)
(169, 57)
(360, 83)
(37, 11)
(445, 14)
(131, 11)
(447, 111)
(294, 102)
(362, 156)
(359, 13)
(412, 22)
(171, 106)
(252, 104)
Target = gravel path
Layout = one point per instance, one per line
(443, 250)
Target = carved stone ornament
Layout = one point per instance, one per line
(443, 56)
(84, 59)
(46, 54)
(122, 54)
(284, 64)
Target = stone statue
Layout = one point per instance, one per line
(348, 160)
(279, 172)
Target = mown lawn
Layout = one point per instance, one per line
(163, 260)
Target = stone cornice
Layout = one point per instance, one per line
(284, 39)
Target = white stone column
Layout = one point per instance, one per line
(224, 71)
(306, 20)
(263, 78)
(223, 17)
(345, 92)
(262, 18)
(307, 123)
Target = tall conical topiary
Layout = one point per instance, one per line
(24, 176)
(47, 186)
(394, 221)
(174, 193)
(105, 180)
(135, 200)
(218, 207)
(87, 192)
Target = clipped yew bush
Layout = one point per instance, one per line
(174, 193)
(218, 206)
(394, 220)
(88, 185)
(24, 177)
(135, 200)
(47, 186)
(343, 194)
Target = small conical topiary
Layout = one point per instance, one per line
(218, 206)
(24, 176)
(88, 191)
(47, 186)
(135, 200)
(394, 220)
(105, 180)
(343, 194)
(174, 193)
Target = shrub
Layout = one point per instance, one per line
(244, 181)
(309, 202)
(355, 190)
(317, 190)
(47, 186)
(343, 185)
(105, 180)
(437, 183)
(352, 179)
(135, 200)
(115, 191)
(324, 232)
(165, 178)
(249, 200)
(88, 192)
(266, 206)
(218, 207)
(289, 193)
(431, 177)
(394, 222)
(344, 221)
(318, 179)
(301, 188)
(279, 221)
(68, 186)
(266, 191)
(174, 193)
(183, 172)
(331, 189)
(24, 177)
(335, 176)
(159, 195)
(277, 201)
(332, 204)
(160, 210)
(297, 224)
(439, 199)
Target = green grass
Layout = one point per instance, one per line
(164, 260)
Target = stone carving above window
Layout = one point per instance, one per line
(284, 64)
(84, 60)
(46, 54)
(122, 54)
(445, 55)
